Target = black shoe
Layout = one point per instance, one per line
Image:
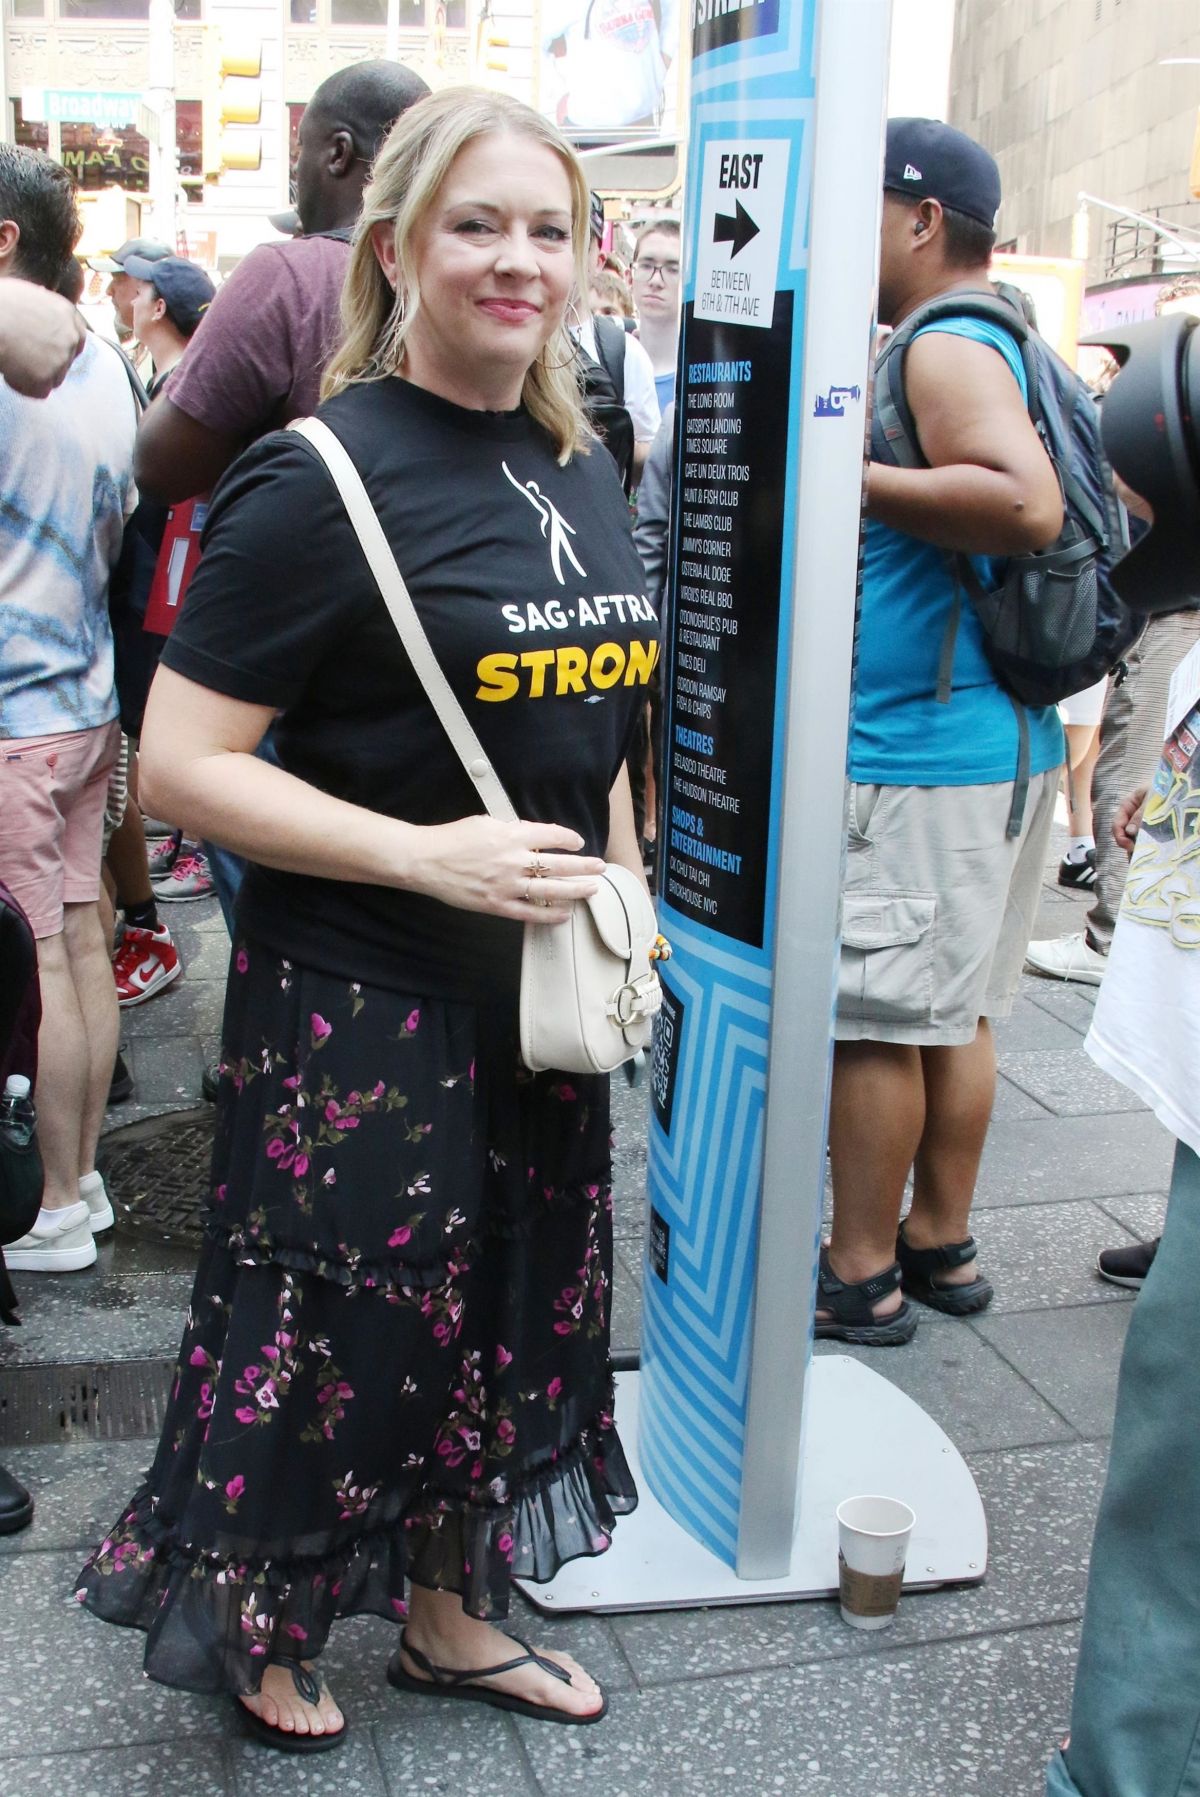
(1127, 1266)
(1081, 874)
(210, 1081)
(122, 1082)
(16, 1505)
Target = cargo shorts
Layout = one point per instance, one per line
(938, 908)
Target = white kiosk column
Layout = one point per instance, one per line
(745, 1444)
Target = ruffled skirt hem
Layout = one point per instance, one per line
(214, 1622)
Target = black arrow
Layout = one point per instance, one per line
(739, 230)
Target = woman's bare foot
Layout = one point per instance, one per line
(281, 1706)
(439, 1628)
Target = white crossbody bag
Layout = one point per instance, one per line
(589, 990)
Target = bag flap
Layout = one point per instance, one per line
(885, 920)
(622, 913)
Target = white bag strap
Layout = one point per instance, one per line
(396, 597)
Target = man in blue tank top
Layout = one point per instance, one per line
(939, 899)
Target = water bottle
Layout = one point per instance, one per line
(18, 1118)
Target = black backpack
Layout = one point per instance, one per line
(603, 383)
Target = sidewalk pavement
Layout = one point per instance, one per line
(968, 1693)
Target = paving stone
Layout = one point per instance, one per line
(1028, 1027)
(1069, 1083)
(190, 1007)
(627, 1299)
(465, 1750)
(630, 1124)
(974, 1716)
(1042, 1255)
(1069, 1356)
(134, 1112)
(77, 1682)
(184, 1769)
(966, 1387)
(352, 1771)
(1010, 1102)
(1054, 1158)
(1143, 1214)
(95, 1315)
(166, 1070)
(1069, 1000)
(205, 952)
(1041, 1507)
(78, 1487)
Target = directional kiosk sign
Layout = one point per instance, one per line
(744, 1445)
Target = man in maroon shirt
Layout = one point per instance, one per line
(256, 361)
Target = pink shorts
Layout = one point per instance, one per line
(52, 792)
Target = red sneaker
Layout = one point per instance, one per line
(146, 961)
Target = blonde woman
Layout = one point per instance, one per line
(395, 1369)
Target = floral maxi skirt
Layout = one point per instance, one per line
(395, 1362)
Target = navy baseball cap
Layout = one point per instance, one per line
(148, 248)
(932, 161)
(184, 289)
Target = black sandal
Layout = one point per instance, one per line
(851, 1317)
(919, 1266)
(287, 1740)
(442, 1682)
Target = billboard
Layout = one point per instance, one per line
(610, 69)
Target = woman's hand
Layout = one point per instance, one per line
(532, 873)
(1128, 820)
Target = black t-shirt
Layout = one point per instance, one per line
(526, 580)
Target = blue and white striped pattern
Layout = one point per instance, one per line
(705, 1182)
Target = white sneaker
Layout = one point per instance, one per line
(1066, 958)
(100, 1210)
(61, 1241)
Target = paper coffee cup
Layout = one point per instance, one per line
(873, 1536)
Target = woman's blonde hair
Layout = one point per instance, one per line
(408, 174)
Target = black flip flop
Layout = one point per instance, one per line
(442, 1682)
(286, 1740)
(919, 1267)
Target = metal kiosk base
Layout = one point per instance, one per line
(863, 1436)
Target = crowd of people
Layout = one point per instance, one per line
(394, 1390)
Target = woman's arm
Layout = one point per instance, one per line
(623, 844)
(198, 768)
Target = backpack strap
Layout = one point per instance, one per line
(1016, 811)
(610, 352)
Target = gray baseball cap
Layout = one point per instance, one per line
(148, 248)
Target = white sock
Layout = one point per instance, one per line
(1079, 847)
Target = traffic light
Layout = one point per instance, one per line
(232, 96)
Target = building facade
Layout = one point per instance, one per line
(1086, 96)
(75, 71)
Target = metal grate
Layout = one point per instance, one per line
(157, 1175)
(94, 1400)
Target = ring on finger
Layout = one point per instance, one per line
(536, 870)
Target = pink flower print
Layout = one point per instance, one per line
(329, 1179)
(399, 1606)
(505, 1546)
(300, 1166)
(553, 1389)
(296, 1632)
(321, 1030)
(566, 1092)
(198, 1357)
(471, 1071)
(332, 1111)
(506, 1430)
(411, 1022)
(563, 1329)
(276, 1148)
(377, 1091)
(219, 1194)
(246, 1415)
(243, 960)
(235, 1488)
(346, 1123)
(292, 1081)
(399, 1237)
(503, 1358)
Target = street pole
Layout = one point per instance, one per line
(160, 102)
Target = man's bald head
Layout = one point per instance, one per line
(341, 131)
